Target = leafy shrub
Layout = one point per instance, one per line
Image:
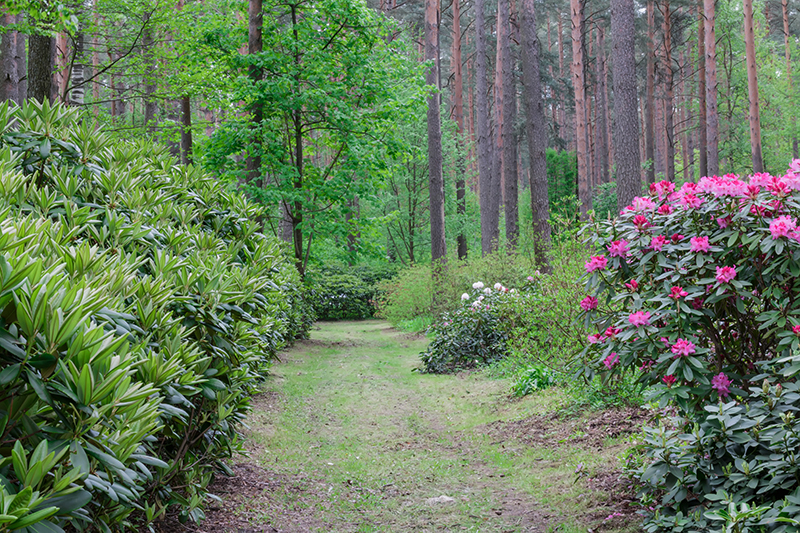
(535, 378)
(604, 201)
(473, 335)
(740, 453)
(339, 293)
(139, 306)
(698, 289)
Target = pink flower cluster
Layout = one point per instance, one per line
(677, 292)
(721, 383)
(597, 262)
(611, 360)
(699, 244)
(783, 226)
(618, 248)
(726, 274)
(589, 303)
(639, 318)
(683, 348)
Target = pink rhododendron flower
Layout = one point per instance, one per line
(699, 244)
(589, 303)
(597, 262)
(611, 332)
(641, 223)
(611, 360)
(778, 187)
(658, 242)
(647, 365)
(724, 222)
(796, 330)
(677, 292)
(618, 248)
(725, 274)
(682, 347)
(677, 237)
(782, 226)
(633, 286)
(640, 204)
(727, 185)
(691, 201)
(663, 189)
(753, 190)
(721, 384)
(639, 318)
(669, 380)
(665, 209)
(595, 339)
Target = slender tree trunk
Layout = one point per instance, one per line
(482, 125)
(579, 87)
(712, 116)
(458, 112)
(683, 99)
(22, 62)
(626, 105)
(186, 130)
(255, 17)
(536, 130)
(10, 74)
(601, 107)
(78, 74)
(790, 81)
(40, 67)
(498, 172)
(435, 179)
(669, 90)
(752, 88)
(511, 210)
(649, 110)
(702, 126)
(562, 118)
(150, 106)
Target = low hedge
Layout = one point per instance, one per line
(345, 293)
(139, 306)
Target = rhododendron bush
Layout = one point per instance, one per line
(696, 285)
(696, 289)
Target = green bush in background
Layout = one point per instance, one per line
(139, 306)
(346, 293)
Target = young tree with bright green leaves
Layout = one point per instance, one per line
(332, 90)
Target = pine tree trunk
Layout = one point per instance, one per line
(150, 106)
(788, 54)
(40, 67)
(186, 130)
(536, 130)
(579, 88)
(712, 116)
(701, 90)
(601, 107)
(649, 110)
(669, 91)
(511, 210)
(498, 183)
(752, 88)
(255, 16)
(484, 140)
(10, 74)
(435, 179)
(458, 112)
(78, 74)
(626, 130)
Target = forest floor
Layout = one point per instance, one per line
(346, 438)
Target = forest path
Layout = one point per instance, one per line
(346, 438)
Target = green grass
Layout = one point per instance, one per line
(377, 440)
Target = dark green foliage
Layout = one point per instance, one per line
(742, 452)
(473, 336)
(139, 306)
(345, 293)
(604, 201)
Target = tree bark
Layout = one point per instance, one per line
(752, 88)
(458, 113)
(626, 130)
(255, 17)
(536, 130)
(701, 90)
(669, 92)
(498, 183)
(649, 110)
(186, 130)
(579, 88)
(40, 67)
(484, 141)
(511, 209)
(78, 74)
(712, 116)
(788, 54)
(435, 179)
(601, 107)
(10, 73)
(150, 106)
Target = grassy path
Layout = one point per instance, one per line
(346, 438)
